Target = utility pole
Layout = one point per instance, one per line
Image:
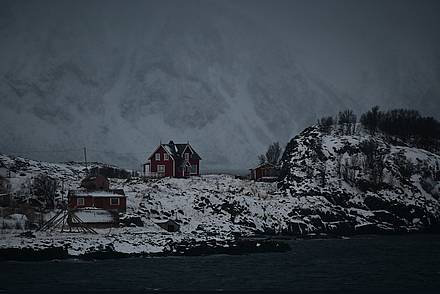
(62, 192)
(85, 160)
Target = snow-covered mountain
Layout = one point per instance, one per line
(229, 76)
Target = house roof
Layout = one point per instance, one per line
(95, 194)
(169, 221)
(176, 150)
(265, 164)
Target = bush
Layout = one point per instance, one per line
(403, 123)
(406, 124)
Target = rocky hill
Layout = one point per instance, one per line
(360, 183)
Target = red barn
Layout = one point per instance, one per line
(173, 160)
(112, 200)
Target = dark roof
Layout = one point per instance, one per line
(169, 221)
(265, 164)
(176, 150)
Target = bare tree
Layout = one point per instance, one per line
(45, 187)
(370, 119)
(261, 158)
(272, 155)
(325, 124)
(347, 119)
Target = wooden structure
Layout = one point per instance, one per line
(64, 218)
(173, 160)
(265, 172)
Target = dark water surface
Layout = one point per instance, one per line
(410, 262)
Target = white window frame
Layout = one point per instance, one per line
(157, 156)
(165, 156)
(80, 201)
(161, 168)
(187, 156)
(113, 198)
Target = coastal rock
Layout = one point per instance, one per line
(359, 183)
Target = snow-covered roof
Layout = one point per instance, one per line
(80, 193)
(265, 164)
(94, 216)
(167, 222)
(176, 150)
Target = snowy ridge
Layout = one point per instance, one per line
(363, 180)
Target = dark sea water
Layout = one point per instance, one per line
(410, 262)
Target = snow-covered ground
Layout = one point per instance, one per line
(327, 188)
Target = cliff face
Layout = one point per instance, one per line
(366, 183)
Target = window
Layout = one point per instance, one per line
(157, 156)
(194, 169)
(186, 156)
(80, 201)
(165, 156)
(114, 201)
(161, 168)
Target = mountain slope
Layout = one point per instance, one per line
(119, 78)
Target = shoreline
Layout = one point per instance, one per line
(185, 248)
(243, 246)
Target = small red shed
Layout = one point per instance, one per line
(265, 172)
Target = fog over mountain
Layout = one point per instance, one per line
(229, 76)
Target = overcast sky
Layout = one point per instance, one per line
(98, 73)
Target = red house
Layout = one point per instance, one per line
(95, 193)
(173, 160)
(112, 200)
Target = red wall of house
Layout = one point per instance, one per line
(98, 202)
(262, 172)
(168, 163)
